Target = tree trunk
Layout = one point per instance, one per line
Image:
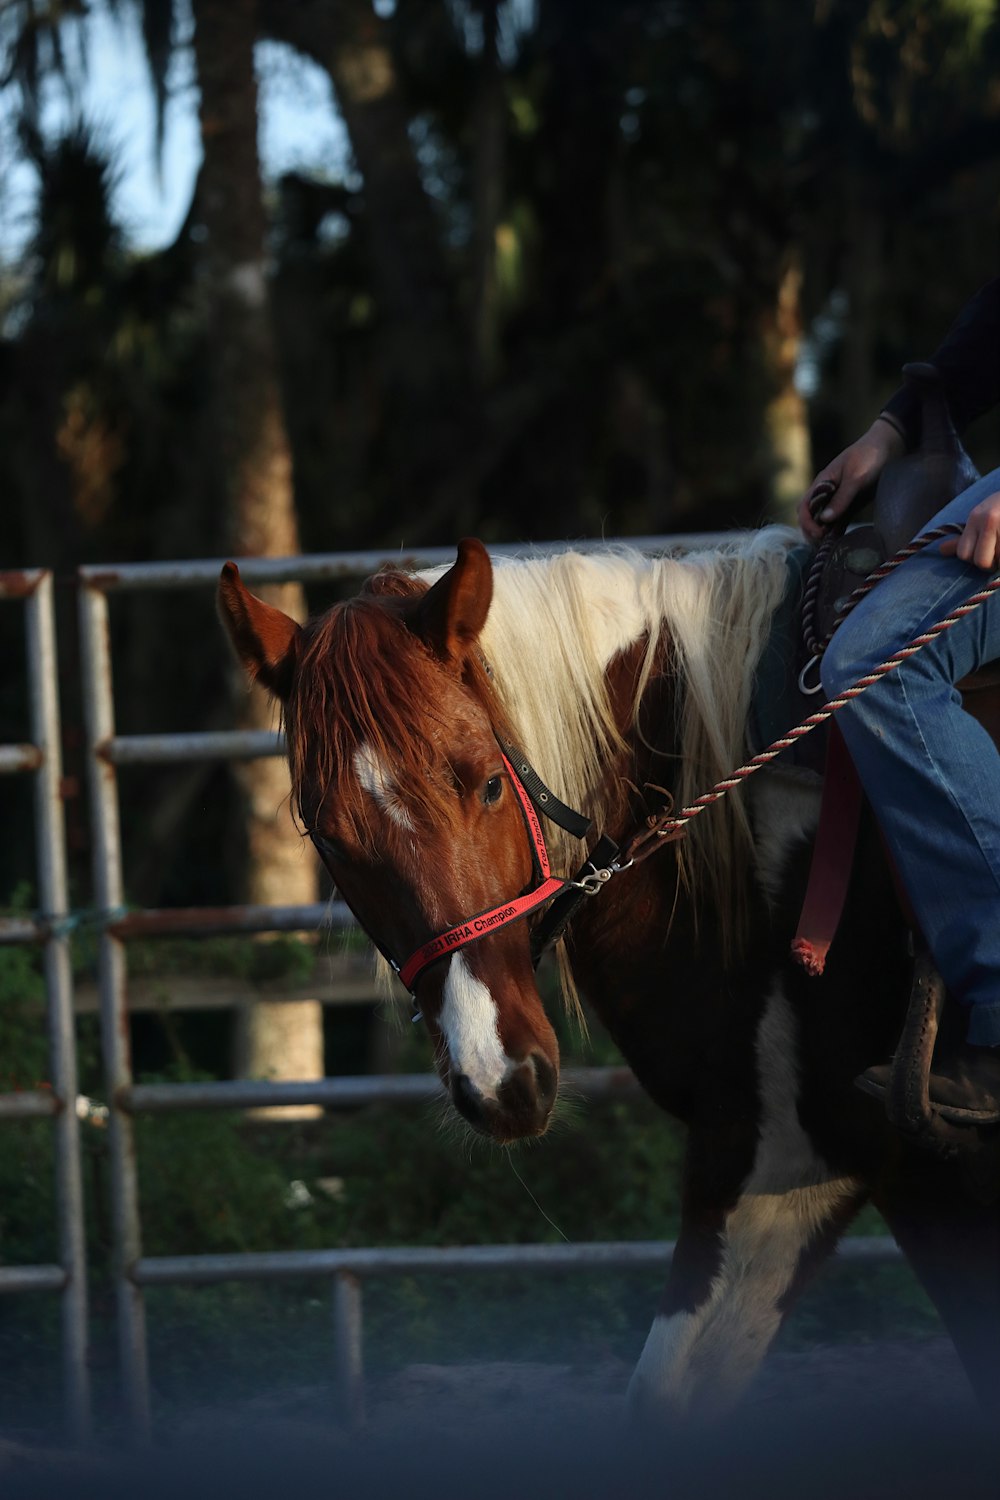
(433, 418)
(786, 416)
(279, 1040)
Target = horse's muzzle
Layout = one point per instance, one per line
(522, 1105)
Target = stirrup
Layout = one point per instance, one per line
(907, 1097)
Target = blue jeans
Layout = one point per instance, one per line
(931, 772)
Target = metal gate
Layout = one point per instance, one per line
(106, 751)
(41, 757)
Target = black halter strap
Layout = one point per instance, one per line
(588, 879)
(592, 875)
(546, 802)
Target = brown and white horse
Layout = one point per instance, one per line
(613, 672)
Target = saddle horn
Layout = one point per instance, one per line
(912, 489)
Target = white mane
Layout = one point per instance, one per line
(556, 622)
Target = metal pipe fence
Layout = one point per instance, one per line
(115, 926)
(43, 759)
(106, 752)
(343, 1093)
(349, 1269)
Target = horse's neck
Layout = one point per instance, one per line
(558, 625)
(556, 630)
(560, 629)
(567, 617)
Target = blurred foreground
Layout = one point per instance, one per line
(861, 1419)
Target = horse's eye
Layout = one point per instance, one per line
(492, 790)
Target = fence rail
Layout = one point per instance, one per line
(348, 1269)
(342, 1093)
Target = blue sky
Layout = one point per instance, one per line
(299, 128)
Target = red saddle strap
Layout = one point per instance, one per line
(832, 859)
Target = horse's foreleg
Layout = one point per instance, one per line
(700, 1355)
(740, 1263)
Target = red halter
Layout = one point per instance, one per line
(485, 922)
(589, 879)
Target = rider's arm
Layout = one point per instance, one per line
(851, 471)
(969, 362)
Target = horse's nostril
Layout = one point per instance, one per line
(530, 1090)
(546, 1080)
(468, 1099)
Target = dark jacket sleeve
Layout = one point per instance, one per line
(969, 361)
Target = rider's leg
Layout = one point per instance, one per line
(931, 771)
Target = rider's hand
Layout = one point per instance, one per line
(854, 469)
(980, 541)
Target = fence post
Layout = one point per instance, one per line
(95, 645)
(348, 1334)
(54, 907)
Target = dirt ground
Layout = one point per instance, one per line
(851, 1420)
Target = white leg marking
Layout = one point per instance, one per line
(656, 1381)
(376, 780)
(471, 1029)
(703, 1359)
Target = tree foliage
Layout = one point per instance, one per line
(588, 256)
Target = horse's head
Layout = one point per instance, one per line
(398, 775)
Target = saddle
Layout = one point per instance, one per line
(910, 491)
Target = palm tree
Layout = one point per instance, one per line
(254, 471)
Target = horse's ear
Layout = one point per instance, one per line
(264, 638)
(451, 614)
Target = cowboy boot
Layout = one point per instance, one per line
(963, 1084)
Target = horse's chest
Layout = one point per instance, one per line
(686, 1030)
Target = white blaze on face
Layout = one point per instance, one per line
(470, 1026)
(378, 783)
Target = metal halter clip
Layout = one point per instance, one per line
(594, 882)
